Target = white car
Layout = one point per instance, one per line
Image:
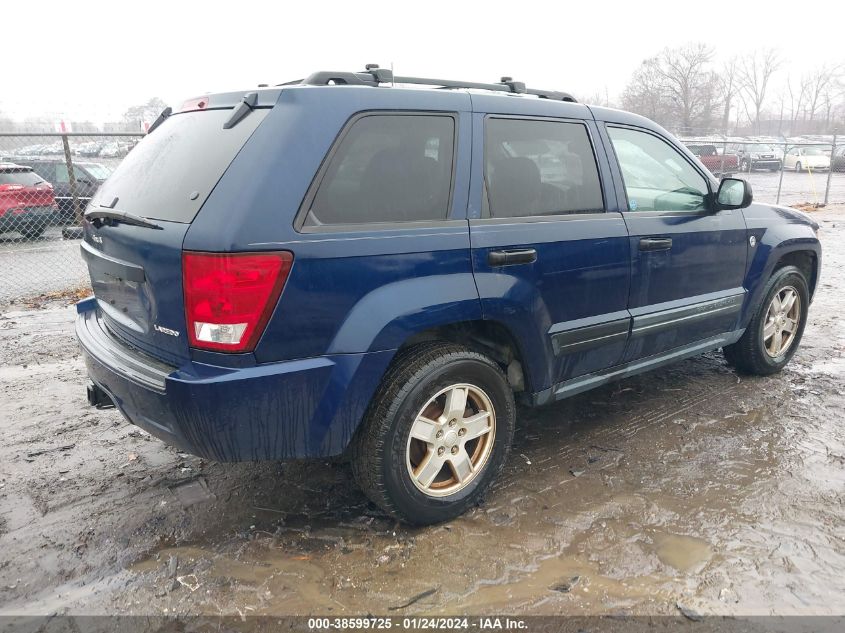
(806, 158)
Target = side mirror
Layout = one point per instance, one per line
(733, 193)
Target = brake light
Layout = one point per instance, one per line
(199, 103)
(229, 297)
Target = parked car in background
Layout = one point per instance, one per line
(89, 177)
(328, 268)
(839, 159)
(757, 156)
(806, 158)
(26, 201)
(718, 164)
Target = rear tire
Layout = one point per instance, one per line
(798, 167)
(32, 233)
(759, 351)
(411, 427)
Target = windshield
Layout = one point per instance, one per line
(813, 151)
(100, 172)
(761, 147)
(169, 174)
(27, 178)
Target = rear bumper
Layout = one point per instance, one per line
(32, 217)
(293, 409)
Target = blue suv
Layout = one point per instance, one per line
(375, 267)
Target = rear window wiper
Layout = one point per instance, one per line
(161, 119)
(105, 215)
(240, 110)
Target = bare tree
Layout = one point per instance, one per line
(755, 74)
(797, 91)
(728, 80)
(676, 88)
(689, 83)
(145, 112)
(819, 82)
(645, 93)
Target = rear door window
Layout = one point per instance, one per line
(536, 168)
(387, 168)
(170, 173)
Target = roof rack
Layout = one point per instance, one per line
(374, 75)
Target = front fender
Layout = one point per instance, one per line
(388, 315)
(778, 231)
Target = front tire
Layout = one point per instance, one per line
(798, 167)
(776, 329)
(436, 434)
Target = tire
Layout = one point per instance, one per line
(751, 354)
(798, 166)
(745, 166)
(385, 456)
(32, 233)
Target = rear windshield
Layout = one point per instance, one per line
(27, 178)
(170, 173)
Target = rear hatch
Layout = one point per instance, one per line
(136, 271)
(22, 191)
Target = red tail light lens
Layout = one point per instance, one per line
(229, 297)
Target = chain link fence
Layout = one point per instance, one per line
(46, 180)
(789, 172)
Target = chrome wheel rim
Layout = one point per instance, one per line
(451, 440)
(781, 323)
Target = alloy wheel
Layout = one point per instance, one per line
(451, 440)
(781, 323)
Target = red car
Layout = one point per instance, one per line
(719, 164)
(27, 204)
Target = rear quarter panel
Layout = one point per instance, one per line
(349, 291)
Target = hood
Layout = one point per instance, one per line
(794, 215)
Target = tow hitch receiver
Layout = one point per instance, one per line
(99, 398)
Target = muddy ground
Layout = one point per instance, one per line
(687, 487)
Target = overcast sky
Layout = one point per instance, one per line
(91, 59)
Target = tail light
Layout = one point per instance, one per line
(229, 297)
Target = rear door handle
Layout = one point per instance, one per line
(509, 258)
(655, 243)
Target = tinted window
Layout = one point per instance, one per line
(388, 168)
(97, 171)
(45, 170)
(61, 173)
(188, 153)
(26, 178)
(657, 177)
(539, 168)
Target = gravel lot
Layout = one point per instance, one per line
(687, 488)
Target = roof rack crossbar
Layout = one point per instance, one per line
(374, 76)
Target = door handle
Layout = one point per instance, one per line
(509, 258)
(655, 243)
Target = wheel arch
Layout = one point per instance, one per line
(491, 338)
